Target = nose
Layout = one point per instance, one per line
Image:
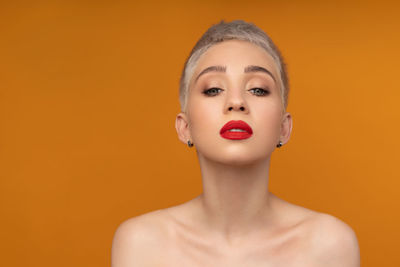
(240, 108)
(236, 102)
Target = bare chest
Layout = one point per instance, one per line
(188, 251)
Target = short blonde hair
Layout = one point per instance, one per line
(235, 30)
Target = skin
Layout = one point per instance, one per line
(236, 221)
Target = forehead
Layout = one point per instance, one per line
(236, 54)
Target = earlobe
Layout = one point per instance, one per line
(286, 127)
(182, 127)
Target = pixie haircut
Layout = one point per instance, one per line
(234, 30)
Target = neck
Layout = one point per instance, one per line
(235, 199)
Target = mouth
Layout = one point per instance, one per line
(236, 130)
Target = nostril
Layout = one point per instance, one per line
(231, 108)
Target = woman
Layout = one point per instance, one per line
(233, 96)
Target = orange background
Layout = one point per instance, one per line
(89, 94)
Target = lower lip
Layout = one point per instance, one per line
(235, 135)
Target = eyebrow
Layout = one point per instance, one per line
(253, 68)
(250, 68)
(210, 69)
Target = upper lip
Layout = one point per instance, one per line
(236, 125)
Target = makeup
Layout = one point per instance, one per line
(236, 130)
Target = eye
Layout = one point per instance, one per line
(259, 91)
(212, 91)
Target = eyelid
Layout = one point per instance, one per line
(266, 91)
(263, 91)
(210, 88)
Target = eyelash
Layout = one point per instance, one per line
(263, 91)
(207, 91)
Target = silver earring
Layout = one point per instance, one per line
(280, 144)
(190, 144)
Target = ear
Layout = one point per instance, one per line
(182, 127)
(286, 127)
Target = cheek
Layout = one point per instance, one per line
(203, 119)
(268, 121)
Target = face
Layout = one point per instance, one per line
(234, 81)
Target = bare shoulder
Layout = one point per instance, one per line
(333, 242)
(136, 238)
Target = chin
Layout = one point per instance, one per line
(235, 156)
(239, 162)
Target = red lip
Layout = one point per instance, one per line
(225, 133)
